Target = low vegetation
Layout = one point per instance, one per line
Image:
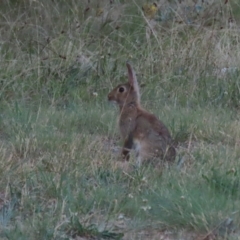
(59, 174)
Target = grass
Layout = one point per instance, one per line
(59, 142)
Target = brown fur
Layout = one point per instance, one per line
(140, 130)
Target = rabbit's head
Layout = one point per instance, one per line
(127, 92)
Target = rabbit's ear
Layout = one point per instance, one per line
(132, 79)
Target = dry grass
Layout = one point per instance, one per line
(59, 145)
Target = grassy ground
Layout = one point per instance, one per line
(59, 142)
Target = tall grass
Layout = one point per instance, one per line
(59, 174)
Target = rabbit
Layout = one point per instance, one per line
(140, 130)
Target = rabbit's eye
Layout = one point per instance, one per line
(121, 89)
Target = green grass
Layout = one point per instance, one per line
(59, 142)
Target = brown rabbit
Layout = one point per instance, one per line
(140, 130)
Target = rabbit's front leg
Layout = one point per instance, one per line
(127, 146)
